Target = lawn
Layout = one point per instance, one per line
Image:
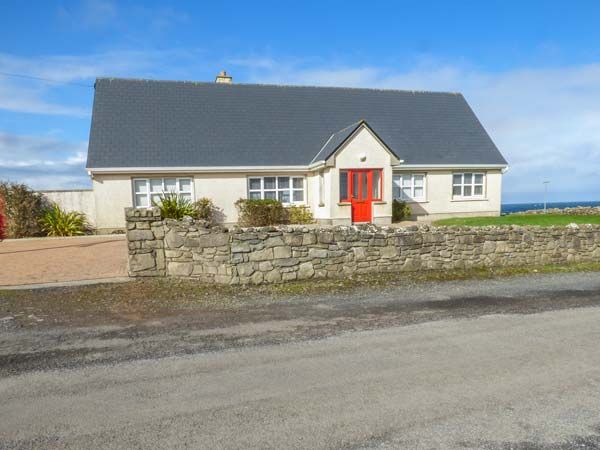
(541, 220)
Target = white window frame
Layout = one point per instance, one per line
(148, 193)
(411, 176)
(277, 189)
(472, 185)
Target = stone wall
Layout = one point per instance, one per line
(279, 254)
(145, 239)
(576, 211)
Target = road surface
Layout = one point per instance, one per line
(495, 381)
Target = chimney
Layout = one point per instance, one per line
(223, 78)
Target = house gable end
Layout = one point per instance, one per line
(339, 141)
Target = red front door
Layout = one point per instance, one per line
(361, 195)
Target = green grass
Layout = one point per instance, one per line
(541, 220)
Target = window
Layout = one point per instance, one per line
(467, 185)
(284, 189)
(344, 186)
(147, 191)
(363, 184)
(409, 187)
(376, 185)
(321, 188)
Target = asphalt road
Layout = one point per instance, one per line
(494, 380)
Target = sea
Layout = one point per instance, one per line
(508, 208)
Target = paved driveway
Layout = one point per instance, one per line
(47, 260)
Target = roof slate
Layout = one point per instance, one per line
(147, 123)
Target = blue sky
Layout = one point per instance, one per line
(530, 70)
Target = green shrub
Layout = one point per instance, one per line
(205, 209)
(174, 206)
(259, 213)
(299, 215)
(58, 222)
(23, 209)
(400, 211)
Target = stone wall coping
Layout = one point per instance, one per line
(573, 210)
(385, 229)
(153, 214)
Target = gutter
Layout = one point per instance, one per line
(503, 167)
(273, 169)
(199, 169)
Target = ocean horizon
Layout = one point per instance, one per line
(507, 208)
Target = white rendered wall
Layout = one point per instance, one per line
(440, 203)
(81, 200)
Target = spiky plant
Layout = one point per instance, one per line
(173, 206)
(58, 222)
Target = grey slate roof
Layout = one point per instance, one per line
(146, 123)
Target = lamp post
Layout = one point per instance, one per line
(545, 195)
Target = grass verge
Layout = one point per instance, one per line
(157, 297)
(541, 220)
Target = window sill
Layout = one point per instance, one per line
(375, 202)
(470, 199)
(408, 202)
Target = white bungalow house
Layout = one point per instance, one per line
(345, 153)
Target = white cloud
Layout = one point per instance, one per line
(25, 99)
(96, 15)
(74, 68)
(27, 95)
(43, 161)
(98, 12)
(545, 121)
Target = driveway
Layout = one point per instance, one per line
(48, 260)
(494, 364)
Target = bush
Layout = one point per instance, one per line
(259, 213)
(299, 215)
(58, 222)
(2, 220)
(400, 211)
(205, 209)
(23, 209)
(173, 206)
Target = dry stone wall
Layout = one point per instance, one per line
(576, 211)
(145, 240)
(277, 254)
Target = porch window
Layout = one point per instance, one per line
(344, 196)
(360, 183)
(409, 187)
(147, 191)
(321, 188)
(468, 185)
(376, 185)
(286, 189)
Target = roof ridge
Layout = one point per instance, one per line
(351, 125)
(293, 86)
